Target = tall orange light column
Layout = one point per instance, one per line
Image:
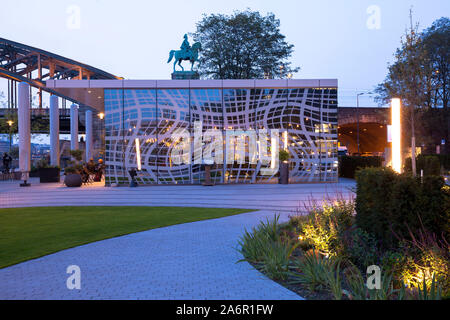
(138, 154)
(285, 140)
(396, 135)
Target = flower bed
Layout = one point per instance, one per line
(327, 254)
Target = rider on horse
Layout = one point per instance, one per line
(185, 46)
(186, 53)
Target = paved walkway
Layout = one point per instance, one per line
(254, 196)
(188, 261)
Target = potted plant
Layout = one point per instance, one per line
(283, 156)
(49, 174)
(73, 171)
(34, 173)
(46, 172)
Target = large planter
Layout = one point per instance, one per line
(34, 174)
(73, 180)
(284, 173)
(207, 181)
(47, 175)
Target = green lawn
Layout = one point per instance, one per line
(28, 233)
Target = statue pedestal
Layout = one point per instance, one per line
(185, 75)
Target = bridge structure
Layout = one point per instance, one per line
(23, 63)
(368, 126)
(43, 117)
(26, 67)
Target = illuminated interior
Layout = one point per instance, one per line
(305, 117)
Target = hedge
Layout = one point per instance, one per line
(348, 165)
(388, 205)
(444, 159)
(430, 165)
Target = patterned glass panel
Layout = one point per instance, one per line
(249, 124)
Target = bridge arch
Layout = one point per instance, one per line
(372, 129)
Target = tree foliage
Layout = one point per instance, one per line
(244, 45)
(420, 76)
(38, 123)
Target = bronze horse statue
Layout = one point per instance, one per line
(180, 55)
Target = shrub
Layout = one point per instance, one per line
(359, 291)
(70, 170)
(43, 164)
(325, 226)
(77, 154)
(388, 205)
(297, 220)
(312, 270)
(393, 262)
(426, 258)
(355, 283)
(431, 292)
(433, 207)
(444, 159)
(73, 169)
(387, 291)
(275, 259)
(283, 155)
(361, 248)
(265, 248)
(374, 190)
(253, 244)
(430, 165)
(334, 282)
(348, 165)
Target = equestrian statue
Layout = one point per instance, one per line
(186, 53)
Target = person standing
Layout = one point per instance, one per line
(100, 167)
(6, 162)
(185, 46)
(90, 166)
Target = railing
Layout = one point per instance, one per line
(36, 112)
(10, 176)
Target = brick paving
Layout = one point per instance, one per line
(188, 261)
(255, 196)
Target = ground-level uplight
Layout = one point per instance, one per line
(396, 135)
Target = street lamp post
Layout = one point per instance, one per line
(10, 123)
(357, 119)
(101, 115)
(357, 116)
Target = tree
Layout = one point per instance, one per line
(244, 45)
(416, 78)
(38, 123)
(436, 41)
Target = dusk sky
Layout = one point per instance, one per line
(351, 40)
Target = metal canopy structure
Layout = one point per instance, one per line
(23, 63)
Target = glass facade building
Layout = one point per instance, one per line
(146, 126)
